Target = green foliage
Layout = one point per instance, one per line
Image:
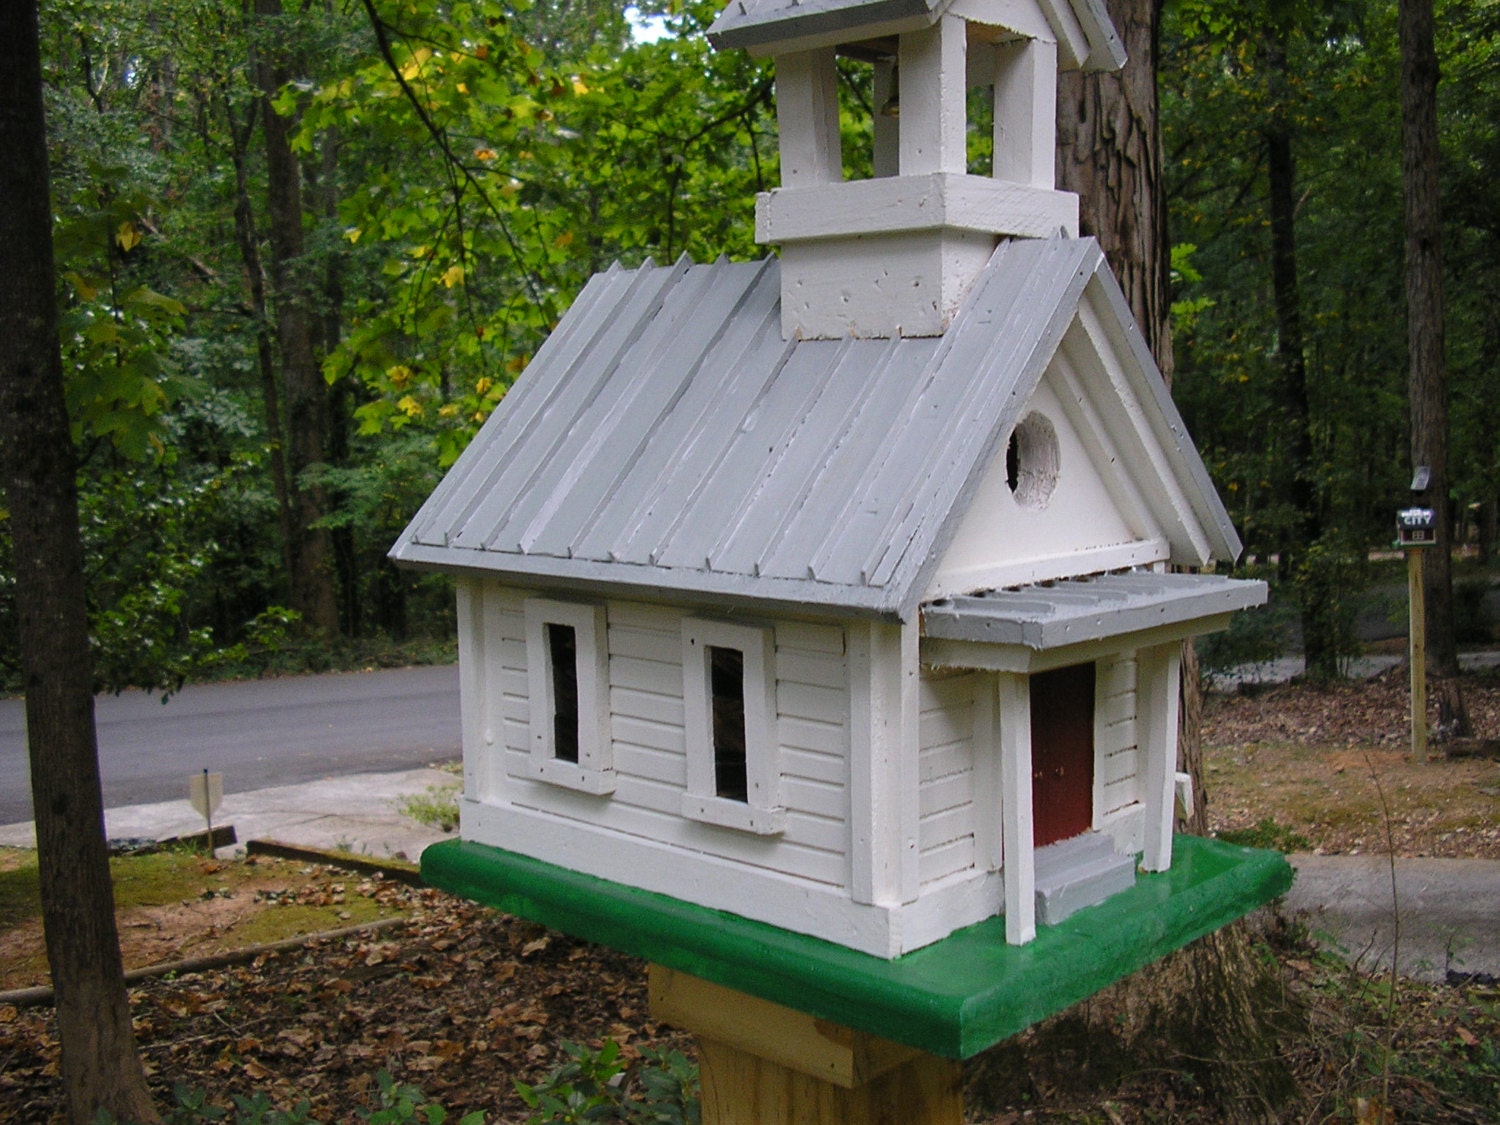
(399, 1103)
(593, 1085)
(436, 807)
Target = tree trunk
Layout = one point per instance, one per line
(1426, 384)
(100, 1066)
(305, 397)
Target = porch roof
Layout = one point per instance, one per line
(1078, 610)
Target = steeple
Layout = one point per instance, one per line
(894, 255)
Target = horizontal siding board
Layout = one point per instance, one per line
(820, 799)
(650, 763)
(946, 793)
(946, 826)
(819, 737)
(806, 637)
(945, 761)
(657, 708)
(945, 860)
(667, 738)
(807, 701)
(817, 669)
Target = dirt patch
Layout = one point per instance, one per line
(1331, 767)
(233, 904)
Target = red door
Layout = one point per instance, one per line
(1062, 753)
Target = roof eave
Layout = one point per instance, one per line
(765, 595)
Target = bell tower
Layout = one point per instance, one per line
(893, 255)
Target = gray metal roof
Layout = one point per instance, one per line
(756, 23)
(1056, 614)
(667, 439)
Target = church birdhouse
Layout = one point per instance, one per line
(819, 624)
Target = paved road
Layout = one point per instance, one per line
(257, 734)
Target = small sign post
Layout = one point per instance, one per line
(206, 794)
(1416, 530)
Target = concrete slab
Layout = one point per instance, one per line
(356, 813)
(1448, 911)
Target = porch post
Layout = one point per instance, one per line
(1013, 712)
(1158, 672)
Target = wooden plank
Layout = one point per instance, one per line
(807, 118)
(944, 860)
(816, 669)
(814, 765)
(1014, 706)
(794, 1040)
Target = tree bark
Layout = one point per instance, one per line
(100, 1066)
(1427, 380)
(305, 398)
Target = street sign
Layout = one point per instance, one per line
(1416, 527)
(206, 794)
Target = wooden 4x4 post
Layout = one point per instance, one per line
(1416, 530)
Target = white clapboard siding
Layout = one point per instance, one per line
(946, 768)
(1116, 745)
(648, 742)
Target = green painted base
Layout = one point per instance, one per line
(952, 998)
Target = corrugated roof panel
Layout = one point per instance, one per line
(670, 530)
(522, 440)
(471, 476)
(854, 443)
(730, 490)
(794, 467)
(625, 514)
(617, 432)
(582, 421)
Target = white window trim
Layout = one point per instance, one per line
(594, 771)
(761, 812)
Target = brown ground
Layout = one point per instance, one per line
(464, 1002)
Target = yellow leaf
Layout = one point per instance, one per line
(400, 376)
(463, 87)
(127, 236)
(483, 386)
(410, 407)
(85, 290)
(579, 87)
(448, 410)
(564, 239)
(353, 233)
(485, 153)
(453, 275)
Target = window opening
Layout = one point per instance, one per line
(562, 651)
(1031, 461)
(727, 685)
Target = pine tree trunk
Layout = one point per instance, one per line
(305, 397)
(100, 1066)
(1427, 382)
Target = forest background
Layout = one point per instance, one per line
(303, 249)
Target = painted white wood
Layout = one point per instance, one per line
(1189, 540)
(1126, 827)
(1158, 669)
(878, 743)
(1025, 123)
(1026, 17)
(1013, 705)
(762, 811)
(594, 770)
(897, 204)
(941, 653)
(1045, 568)
(473, 699)
(946, 772)
(879, 29)
(807, 118)
(988, 787)
(878, 287)
(934, 115)
(1080, 530)
(886, 126)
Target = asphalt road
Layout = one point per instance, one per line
(258, 734)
